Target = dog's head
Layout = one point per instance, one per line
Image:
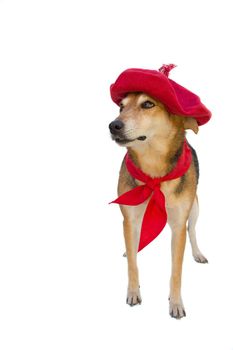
(142, 119)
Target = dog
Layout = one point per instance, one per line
(154, 138)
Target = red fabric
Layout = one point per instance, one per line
(166, 68)
(155, 216)
(177, 99)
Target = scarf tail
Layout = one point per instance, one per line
(136, 196)
(154, 220)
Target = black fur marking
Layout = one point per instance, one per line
(176, 156)
(195, 161)
(128, 179)
(181, 185)
(131, 181)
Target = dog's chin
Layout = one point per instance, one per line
(125, 142)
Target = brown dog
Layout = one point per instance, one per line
(154, 139)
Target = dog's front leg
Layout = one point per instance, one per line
(133, 294)
(178, 226)
(178, 244)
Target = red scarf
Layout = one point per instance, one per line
(155, 216)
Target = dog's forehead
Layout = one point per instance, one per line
(137, 98)
(142, 98)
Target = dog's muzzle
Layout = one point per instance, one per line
(117, 131)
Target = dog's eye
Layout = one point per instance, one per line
(147, 104)
(121, 107)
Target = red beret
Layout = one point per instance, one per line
(156, 84)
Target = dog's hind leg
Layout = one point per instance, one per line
(198, 256)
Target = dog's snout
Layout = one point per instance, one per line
(116, 126)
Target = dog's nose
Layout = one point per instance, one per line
(116, 126)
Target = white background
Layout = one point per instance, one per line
(62, 275)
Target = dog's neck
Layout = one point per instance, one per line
(158, 156)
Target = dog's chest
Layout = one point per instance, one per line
(168, 188)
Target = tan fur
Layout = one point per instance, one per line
(156, 157)
(191, 123)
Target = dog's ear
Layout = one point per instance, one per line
(190, 123)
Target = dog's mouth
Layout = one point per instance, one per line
(123, 141)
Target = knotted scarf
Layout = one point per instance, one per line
(155, 216)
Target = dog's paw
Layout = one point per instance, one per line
(199, 257)
(176, 310)
(133, 297)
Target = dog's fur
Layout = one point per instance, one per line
(156, 156)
